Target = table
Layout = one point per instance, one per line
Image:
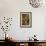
(27, 42)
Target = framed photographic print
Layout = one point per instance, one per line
(25, 19)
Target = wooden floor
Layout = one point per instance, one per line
(3, 43)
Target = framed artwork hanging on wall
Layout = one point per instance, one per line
(26, 19)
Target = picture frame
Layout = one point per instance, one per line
(25, 19)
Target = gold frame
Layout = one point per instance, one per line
(26, 19)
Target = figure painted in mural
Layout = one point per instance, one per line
(25, 19)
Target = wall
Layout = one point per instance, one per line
(12, 8)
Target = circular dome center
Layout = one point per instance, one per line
(36, 3)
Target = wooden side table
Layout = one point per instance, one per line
(21, 44)
(42, 44)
